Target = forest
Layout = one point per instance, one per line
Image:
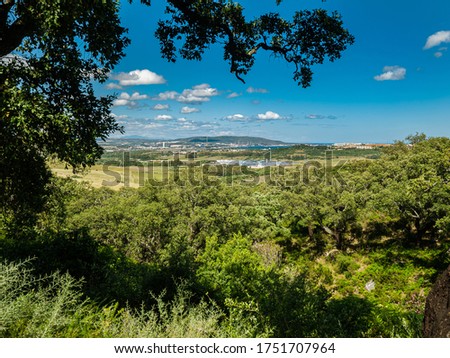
(305, 257)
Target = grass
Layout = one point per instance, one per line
(114, 177)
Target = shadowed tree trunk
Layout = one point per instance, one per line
(437, 309)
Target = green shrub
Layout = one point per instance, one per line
(53, 306)
(36, 307)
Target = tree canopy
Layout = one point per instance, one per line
(51, 53)
(306, 40)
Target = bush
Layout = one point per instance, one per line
(36, 307)
(53, 306)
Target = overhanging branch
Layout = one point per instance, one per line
(11, 35)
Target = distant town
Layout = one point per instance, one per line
(228, 143)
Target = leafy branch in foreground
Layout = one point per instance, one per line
(308, 39)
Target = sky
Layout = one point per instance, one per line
(392, 82)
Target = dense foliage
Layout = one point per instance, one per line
(353, 257)
(51, 55)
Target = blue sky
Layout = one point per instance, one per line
(394, 81)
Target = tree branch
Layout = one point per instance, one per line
(11, 36)
(5, 8)
(232, 43)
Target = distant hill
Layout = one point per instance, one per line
(245, 141)
(227, 140)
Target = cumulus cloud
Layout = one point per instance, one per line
(392, 73)
(256, 90)
(123, 102)
(126, 99)
(136, 96)
(160, 107)
(192, 99)
(436, 39)
(198, 94)
(164, 96)
(139, 77)
(204, 90)
(236, 117)
(163, 117)
(234, 95)
(195, 95)
(187, 110)
(269, 115)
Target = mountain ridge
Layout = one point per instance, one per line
(247, 140)
(244, 140)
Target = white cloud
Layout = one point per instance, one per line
(269, 115)
(195, 95)
(204, 90)
(129, 100)
(164, 96)
(113, 85)
(136, 96)
(160, 107)
(222, 133)
(392, 73)
(163, 117)
(257, 90)
(436, 39)
(187, 110)
(314, 116)
(236, 117)
(124, 102)
(198, 94)
(16, 60)
(234, 95)
(440, 52)
(189, 98)
(119, 117)
(182, 119)
(139, 77)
